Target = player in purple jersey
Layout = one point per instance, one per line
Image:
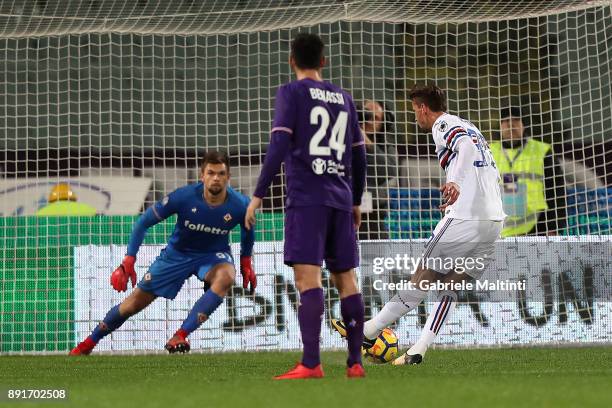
(316, 133)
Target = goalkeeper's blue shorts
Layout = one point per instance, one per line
(171, 269)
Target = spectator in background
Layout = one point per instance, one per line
(377, 124)
(533, 182)
(63, 202)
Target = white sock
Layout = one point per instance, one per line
(443, 308)
(398, 306)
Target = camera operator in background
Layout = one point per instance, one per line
(377, 124)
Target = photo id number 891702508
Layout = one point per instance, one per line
(12, 394)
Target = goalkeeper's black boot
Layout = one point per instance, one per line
(178, 343)
(339, 326)
(408, 359)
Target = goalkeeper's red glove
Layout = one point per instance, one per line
(125, 271)
(248, 274)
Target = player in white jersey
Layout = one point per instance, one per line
(472, 222)
(470, 170)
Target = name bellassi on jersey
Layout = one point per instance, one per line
(326, 96)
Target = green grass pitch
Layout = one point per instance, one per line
(543, 377)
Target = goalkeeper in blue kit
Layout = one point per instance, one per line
(206, 213)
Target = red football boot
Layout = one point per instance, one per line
(178, 343)
(84, 348)
(300, 371)
(355, 371)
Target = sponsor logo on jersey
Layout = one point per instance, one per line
(443, 126)
(318, 166)
(147, 277)
(335, 168)
(165, 200)
(194, 210)
(227, 217)
(205, 228)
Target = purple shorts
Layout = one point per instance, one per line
(317, 233)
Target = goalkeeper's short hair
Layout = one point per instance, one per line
(215, 157)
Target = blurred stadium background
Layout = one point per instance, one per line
(120, 99)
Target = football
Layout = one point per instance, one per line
(385, 348)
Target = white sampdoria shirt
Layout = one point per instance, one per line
(467, 160)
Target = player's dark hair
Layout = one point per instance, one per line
(429, 95)
(307, 51)
(215, 157)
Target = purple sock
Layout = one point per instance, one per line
(310, 316)
(353, 316)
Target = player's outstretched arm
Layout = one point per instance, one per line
(359, 164)
(279, 146)
(125, 271)
(359, 168)
(280, 142)
(249, 217)
(247, 241)
(153, 215)
(139, 230)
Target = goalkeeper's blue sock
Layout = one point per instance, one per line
(352, 310)
(111, 322)
(201, 311)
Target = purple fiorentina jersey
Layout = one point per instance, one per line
(322, 123)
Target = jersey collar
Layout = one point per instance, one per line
(440, 119)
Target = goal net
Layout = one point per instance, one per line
(121, 99)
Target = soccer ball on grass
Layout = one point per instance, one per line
(385, 348)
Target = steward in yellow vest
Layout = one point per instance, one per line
(62, 202)
(534, 204)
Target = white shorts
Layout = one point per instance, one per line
(465, 246)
